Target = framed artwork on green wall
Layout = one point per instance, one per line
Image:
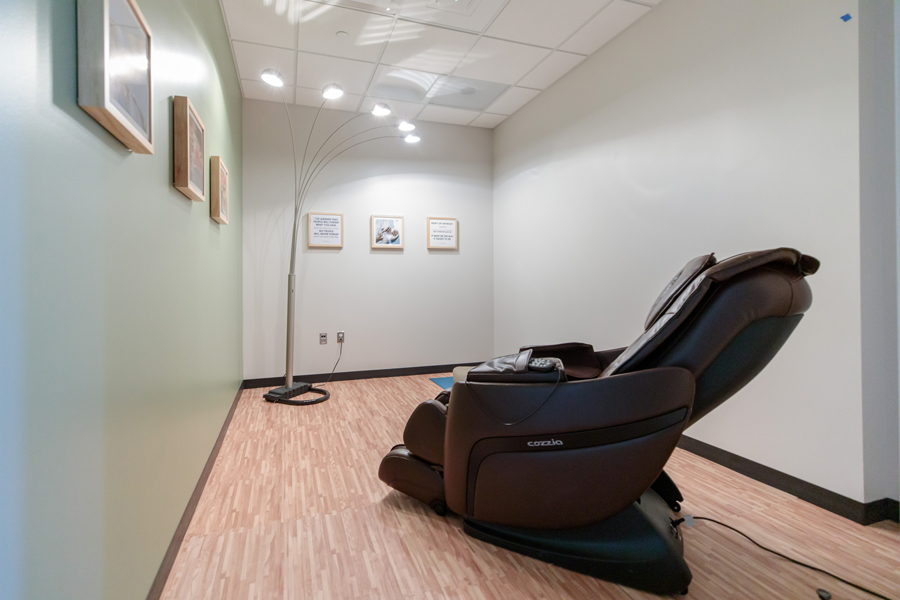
(115, 70)
(189, 151)
(218, 190)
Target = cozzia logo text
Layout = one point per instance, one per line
(546, 443)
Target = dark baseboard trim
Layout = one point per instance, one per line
(863, 513)
(349, 375)
(159, 583)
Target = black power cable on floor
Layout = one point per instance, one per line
(340, 354)
(678, 522)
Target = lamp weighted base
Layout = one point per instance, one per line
(284, 394)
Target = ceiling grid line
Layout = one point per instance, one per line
(378, 62)
(492, 58)
(571, 35)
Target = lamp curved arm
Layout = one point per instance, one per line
(324, 164)
(341, 126)
(296, 185)
(305, 150)
(305, 185)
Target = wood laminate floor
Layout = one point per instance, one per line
(294, 509)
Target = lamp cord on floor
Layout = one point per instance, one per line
(340, 354)
(678, 522)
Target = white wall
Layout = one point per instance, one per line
(878, 236)
(897, 171)
(398, 308)
(706, 126)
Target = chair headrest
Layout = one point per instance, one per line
(681, 280)
(692, 295)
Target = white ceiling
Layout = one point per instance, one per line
(465, 62)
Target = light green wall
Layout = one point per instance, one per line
(121, 307)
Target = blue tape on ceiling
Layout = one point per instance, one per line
(846, 18)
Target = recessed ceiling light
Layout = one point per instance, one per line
(406, 126)
(332, 91)
(342, 35)
(272, 77)
(381, 110)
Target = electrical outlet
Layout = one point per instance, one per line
(323, 338)
(340, 337)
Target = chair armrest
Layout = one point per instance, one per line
(478, 411)
(606, 357)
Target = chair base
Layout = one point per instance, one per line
(638, 547)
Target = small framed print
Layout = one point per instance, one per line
(218, 186)
(115, 70)
(190, 151)
(326, 230)
(387, 232)
(443, 233)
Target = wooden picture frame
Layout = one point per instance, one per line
(115, 70)
(386, 232)
(325, 230)
(443, 233)
(190, 150)
(219, 201)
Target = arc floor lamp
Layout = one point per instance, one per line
(304, 175)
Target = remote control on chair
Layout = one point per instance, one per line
(545, 365)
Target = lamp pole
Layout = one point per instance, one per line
(302, 183)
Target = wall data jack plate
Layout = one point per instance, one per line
(323, 338)
(340, 337)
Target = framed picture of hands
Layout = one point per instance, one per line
(387, 232)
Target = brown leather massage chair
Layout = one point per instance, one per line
(557, 452)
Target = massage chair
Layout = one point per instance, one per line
(562, 459)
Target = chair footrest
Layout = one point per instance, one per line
(405, 472)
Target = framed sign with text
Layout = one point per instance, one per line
(326, 230)
(443, 234)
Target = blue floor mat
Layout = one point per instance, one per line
(444, 382)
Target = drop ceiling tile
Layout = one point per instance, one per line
(449, 14)
(442, 114)
(255, 22)
(321, 23)
(611, 21)
(543, 22)
(379, 6)
(308, 97)
(500, 61)
(554, 66)
(404, 110)
(460, 92)
(253, 59)
(512, 100)
(316, 71)
(425, 48)
(407, 85)
(257, 90)
(488, 120)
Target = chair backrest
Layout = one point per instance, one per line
(726, 324)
